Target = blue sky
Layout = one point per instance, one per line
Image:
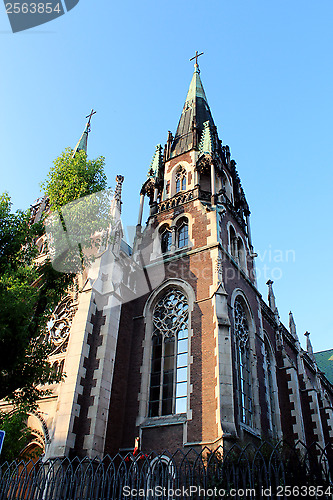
(267, 73)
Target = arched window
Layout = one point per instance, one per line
(243, 361)
(182, 234)
(168, 377)
(166, 239)
(180, 180)
(227, 186)
(61, 367)
(241, 253)
(233, 242)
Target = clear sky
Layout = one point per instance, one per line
(267, 73)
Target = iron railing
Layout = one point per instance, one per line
(267, 471)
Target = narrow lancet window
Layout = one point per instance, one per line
(243, 360)
(166, 239)
(180, 180)
(168, 379)
(183, 234)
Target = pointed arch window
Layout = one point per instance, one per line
(243, 361)
(166, 239)
(233, 242)
(180, 180)
(182, 233)
(168, 378)
(241, 254)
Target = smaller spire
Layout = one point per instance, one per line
(309, 348)
(156, 166)
(272, 302)
(119, 181)
(292, 326)
(83, 141)
(206, 145)
(271, 296)
(195, 90)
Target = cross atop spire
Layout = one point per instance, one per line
(195, 113)
(196, 65)
(83, 141)
(92, 112)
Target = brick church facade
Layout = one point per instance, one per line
(169, 344)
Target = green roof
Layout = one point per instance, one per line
(324, 361)
(156, 167)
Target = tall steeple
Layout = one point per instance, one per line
(195, 113)
(83, 141)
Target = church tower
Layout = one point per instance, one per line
(193, 344)
(169, 344)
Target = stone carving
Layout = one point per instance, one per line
(60, 323)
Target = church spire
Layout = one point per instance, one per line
(309, 348)
(83, 141)
(292, 326)
(156, 167)
(195, 113)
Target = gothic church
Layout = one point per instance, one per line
(169, 344)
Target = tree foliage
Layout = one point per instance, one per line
(28, 293)
(80, 210)
(71, 178)
(17, 433)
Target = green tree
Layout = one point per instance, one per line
(80, 209)
(73, 177)
(29, 292)
(17, 433)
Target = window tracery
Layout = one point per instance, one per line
(243, 360)
(168, 380)
(59, 325)
(166, 239)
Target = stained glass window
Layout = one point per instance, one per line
(168, 379)
(243, 360)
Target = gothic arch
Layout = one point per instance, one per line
(232, 233)
(180, 167)
(38, 423)
(151, 302)
(227, 185)
(172, 225)
(239, 296)
(237, 252)
(176, 223)
(39, 437)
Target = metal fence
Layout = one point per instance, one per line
(266, 471)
